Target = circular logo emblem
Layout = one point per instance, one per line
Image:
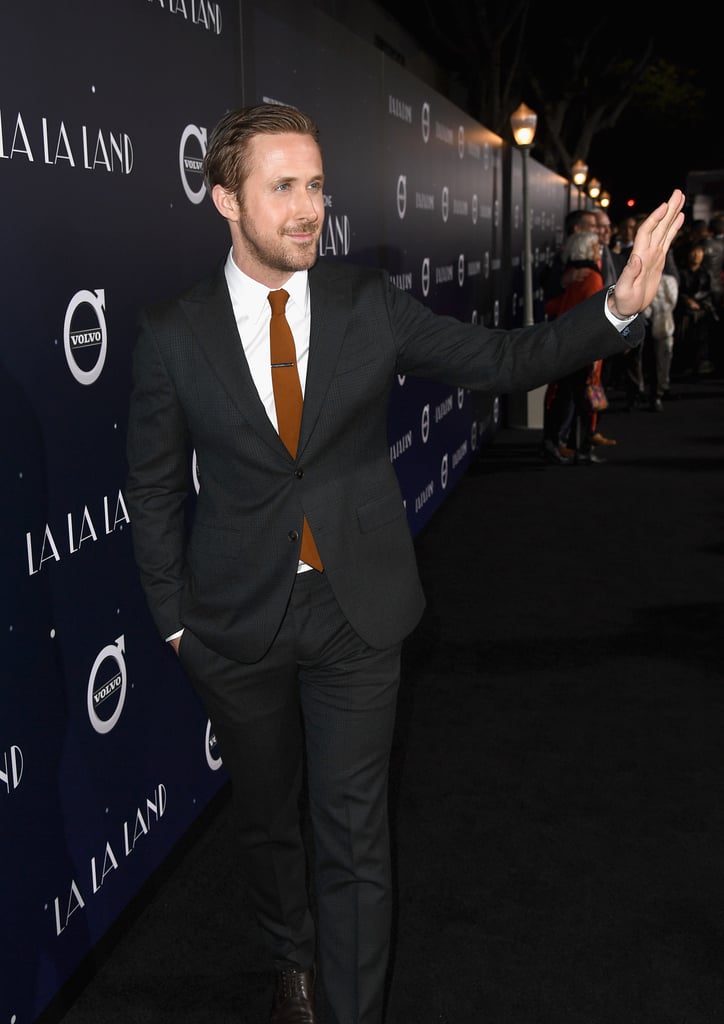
(425, 275)
(425, 122)
(213, 757)
(107, 689)
(402, 196)
(191, 153)
(425, 423)
(85, 336)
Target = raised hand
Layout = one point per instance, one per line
(639, 279)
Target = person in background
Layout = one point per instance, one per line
(623, 240)
(287, 584)
(691, 231)
(714, 263)
(552, 279)
(630, 372)
(609, 266)
(568, 422)
(714, 257)
(609, 272)
(560, 274)
(661, 329)
(696, 315)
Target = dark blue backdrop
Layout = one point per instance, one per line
(105, 754)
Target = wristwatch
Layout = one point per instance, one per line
(615, 316)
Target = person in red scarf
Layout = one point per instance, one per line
(569, 422)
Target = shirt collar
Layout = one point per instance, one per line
(251, 296)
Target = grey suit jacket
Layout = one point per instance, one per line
(226, 571)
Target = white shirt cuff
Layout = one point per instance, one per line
(618, 322)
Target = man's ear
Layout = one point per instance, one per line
(225, 202)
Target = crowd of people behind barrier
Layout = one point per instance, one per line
(684, 328)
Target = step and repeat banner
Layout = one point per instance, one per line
(106, 758)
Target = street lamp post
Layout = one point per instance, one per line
(523, 122)
(594, 189)
(579, 173)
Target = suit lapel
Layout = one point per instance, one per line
(331, 301)
(211, 316)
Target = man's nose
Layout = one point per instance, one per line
(306, 206)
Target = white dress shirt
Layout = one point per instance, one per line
(253, 313)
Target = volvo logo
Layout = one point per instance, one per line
(425, 122)
(213, 755)
(191, 163)
(402, 196)
(425, 423)
(425, 275)
(89, 342)
(107, 695)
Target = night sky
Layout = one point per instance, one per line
(644, 157)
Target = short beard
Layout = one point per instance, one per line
(274, 256)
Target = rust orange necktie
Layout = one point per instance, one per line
(288, 399)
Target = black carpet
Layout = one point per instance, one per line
(557, 787)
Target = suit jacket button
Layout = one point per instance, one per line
(299, 473)
(293, 535)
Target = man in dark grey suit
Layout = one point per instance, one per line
(292, 661)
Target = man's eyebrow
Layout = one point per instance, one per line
(293, 179)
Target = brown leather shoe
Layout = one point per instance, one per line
(294, 998)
